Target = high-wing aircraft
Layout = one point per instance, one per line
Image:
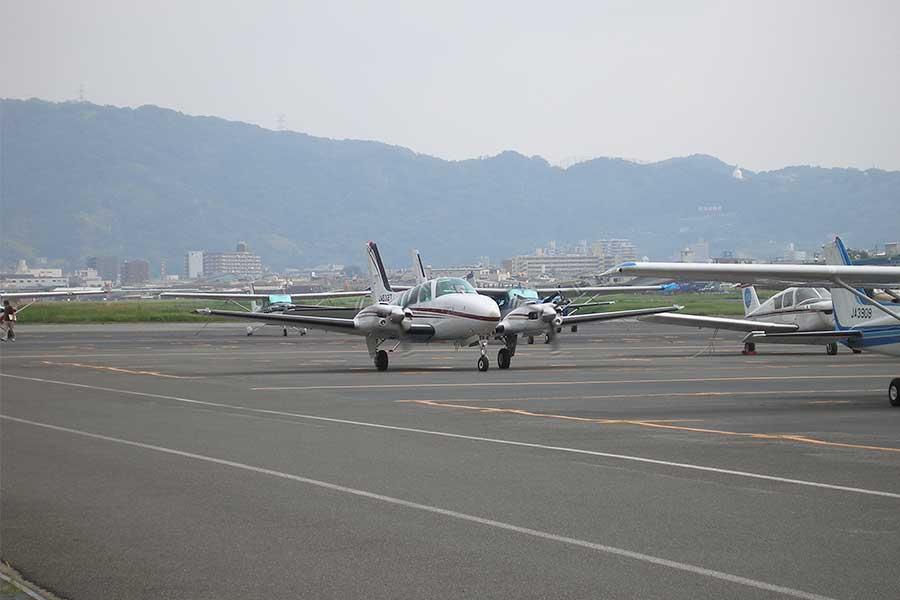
(445, 309)
(861, 322)
(790, 311)
(531, 312)
(57, 293)
(274, 303)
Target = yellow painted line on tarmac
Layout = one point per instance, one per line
(558, 383)
(116, 370)
(667, 425)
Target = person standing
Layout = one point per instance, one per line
(8, 319)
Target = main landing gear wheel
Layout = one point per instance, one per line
(503, 358)
(894, 392)
(284, 332)
(381, 360)
(831, 348)
(530, 339)
(483, 363)
(749, 349)
(856, 351)
(574, 328)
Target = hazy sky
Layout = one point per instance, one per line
(760, 84)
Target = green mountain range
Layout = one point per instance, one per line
(80, 179)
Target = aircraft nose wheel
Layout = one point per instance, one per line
(894, 392)
(530, 339)
(381, 360)
(483, 363)
(503, 358)
(831, 348)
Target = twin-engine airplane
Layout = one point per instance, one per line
(445, 309)
(524, 313)
(861, 323)
(787, 312)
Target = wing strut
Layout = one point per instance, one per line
(866, 299)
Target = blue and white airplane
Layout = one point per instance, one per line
(860, 322)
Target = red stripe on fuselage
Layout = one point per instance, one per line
(444, 311)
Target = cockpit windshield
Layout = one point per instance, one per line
(452, 285)
(526, 293)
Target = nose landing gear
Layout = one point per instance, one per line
(831, 349)
(894, 392)
(483, 362)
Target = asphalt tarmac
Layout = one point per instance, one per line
(638, 461)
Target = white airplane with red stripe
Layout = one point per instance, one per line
(443, 309)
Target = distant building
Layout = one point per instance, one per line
(193, 264)
(614, 251)
(135, 272)
(106, 266)
(698, 253)
(26, 281)
(892, 249)
(559, 266)
(86, 278)
(241, 263)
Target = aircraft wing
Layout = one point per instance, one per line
(815, 338)
(326, 323)
(263, 297)
(790, 275)
(54, 294)
(746, 325)
(580, 291)
(337, 324)
(603, 289)
(617, 314)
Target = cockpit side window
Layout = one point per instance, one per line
(806, 295)
(779, 298)
(413, 295)
(788, 299)
(404, 298)
(425, 292)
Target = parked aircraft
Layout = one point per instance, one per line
(274, 303)
(56, 293)
(791, 310)
(861, 323)
(530, 312)
(445, 309)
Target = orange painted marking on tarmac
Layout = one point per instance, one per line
(657, 424)
(115, 369)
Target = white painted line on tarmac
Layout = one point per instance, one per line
(474, 438)
(639, 556)
(565, 382)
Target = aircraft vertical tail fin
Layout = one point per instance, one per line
(381, 288)
(418, 267)
(751, 300)
(844, 302)
(836, 253)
